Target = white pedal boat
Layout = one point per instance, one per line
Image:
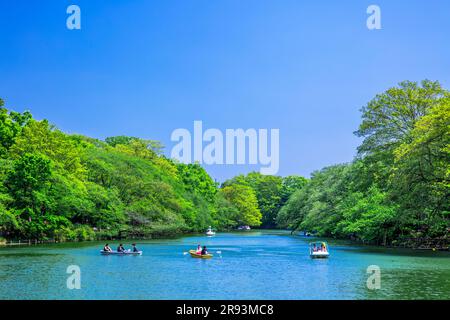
(318, 250)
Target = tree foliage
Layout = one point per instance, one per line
(272, 192)
(244, 198)
(398, 187)
(71, 187)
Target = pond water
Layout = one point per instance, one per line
(246, 265)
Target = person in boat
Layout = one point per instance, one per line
(199, 249)
(120, 248)
(324, 248)
(107, 248)
(204, 251)
(314, 248)
(134, 247)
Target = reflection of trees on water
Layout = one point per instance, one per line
(39, 273)
(413, 284)
(266, 266)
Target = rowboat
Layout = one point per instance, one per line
(318, 250)
(194, 254)
(125, 253)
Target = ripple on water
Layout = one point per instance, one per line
(253, 265)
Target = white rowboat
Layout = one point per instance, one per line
(125, 253)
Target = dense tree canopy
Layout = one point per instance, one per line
(398, 187)
(245, 200)
(11, 124)
(71, 187)
(272, 192)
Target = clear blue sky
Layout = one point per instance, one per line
(144, 68)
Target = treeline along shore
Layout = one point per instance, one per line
(72, 188)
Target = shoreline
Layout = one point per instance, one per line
(24, 243)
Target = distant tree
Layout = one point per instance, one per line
(244, 199)
(290, 185)
(140, 147)
(272, 192)
(197, 180)
(225, 213)
(114, 141)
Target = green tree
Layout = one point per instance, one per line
(40, 137)
(197, 180)
(244, 199)
(8, 221)
(31, 174)
(140, 147)
(290, 185)
(225, 213)
(272, 192)
(388, 119)
(421, 177)
(11, 124)
(370, 216)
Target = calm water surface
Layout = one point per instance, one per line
(251, 265)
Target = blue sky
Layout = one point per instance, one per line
(144, 68)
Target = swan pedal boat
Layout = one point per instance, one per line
(194, 254)
(210, 232)
(125, 253)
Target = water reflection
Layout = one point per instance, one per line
(252, 265)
